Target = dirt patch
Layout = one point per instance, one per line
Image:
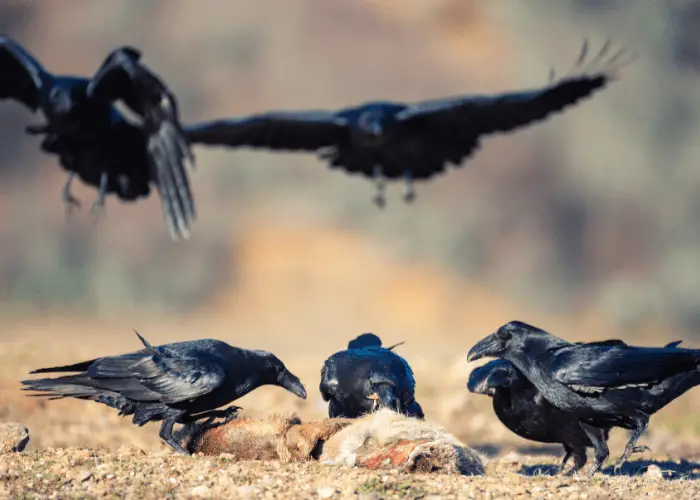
(129, 473)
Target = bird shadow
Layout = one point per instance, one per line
(669, 470)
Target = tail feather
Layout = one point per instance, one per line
(77, 367)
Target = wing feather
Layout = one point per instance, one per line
(22, 77)
(123, 77)
(308, 131)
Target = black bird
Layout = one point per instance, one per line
(522, 409)
(96, 142)
(602, 384)
(366, 377)
(393, 140)
(174, 383)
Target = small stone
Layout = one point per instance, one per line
(200, 491)
(325, 492)
(654, 472)
(83, 475)
(13, 437)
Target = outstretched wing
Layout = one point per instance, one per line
(21, 76)
(467, 118)
(618, 365)
(172, 379)
(123, 77)
(302, 131)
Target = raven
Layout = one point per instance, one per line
(393, 140)
(602, 384)
(96, 142)
(366, 377)
(520, 407)
(174, 383)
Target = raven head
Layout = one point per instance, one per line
(371, 122)
(60, 101)
(506, 339)
(494, 375)
(289, 381)
(278, 374)
(383, 393)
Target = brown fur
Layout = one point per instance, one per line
(245, 438)
(380, 440)
(305, 441)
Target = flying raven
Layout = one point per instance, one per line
(602, 384)
(393, 140)
(96, 142)
(520, 407)
(174, 383)
(367, 376)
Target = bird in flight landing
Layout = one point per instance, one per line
(414, 142)
(96, 142)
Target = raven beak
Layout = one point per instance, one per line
(383, 397)
(480, 388)
(292, 383)
(488, 346)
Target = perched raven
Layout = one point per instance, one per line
(602, 384)
(366, 377)
(180, 382)
(392, 140)
(96, 142)
(520, 407)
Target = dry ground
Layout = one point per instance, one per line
(81, 449)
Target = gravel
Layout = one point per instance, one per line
(132, 473)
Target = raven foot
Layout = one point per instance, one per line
(629, 450)
(176, 446)
(69, 201)
(379, 200)
(409, 193)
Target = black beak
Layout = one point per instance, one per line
(292, 383)
(384, 397)
(480, 387)
(488, 346)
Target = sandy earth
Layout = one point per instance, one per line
(84, 450)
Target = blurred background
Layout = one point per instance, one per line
(585, 225)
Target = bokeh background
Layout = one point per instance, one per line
(586, 224)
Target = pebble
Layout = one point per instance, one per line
(654, 472)
(13, 437)
(200, 491)
(325, 492)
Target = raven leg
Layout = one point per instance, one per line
(409, 193)
(580, 460)
(600, 446)
(166, 434)
(99, 204)
(567, 454)
(642, 424)
(67, 197)
(379, 197)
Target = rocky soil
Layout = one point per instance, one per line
(131, 473)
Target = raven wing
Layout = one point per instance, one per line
(21, 76)
(619, 365)
(170, 379)
(296, 131)
(123, 77)
(468, 117)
